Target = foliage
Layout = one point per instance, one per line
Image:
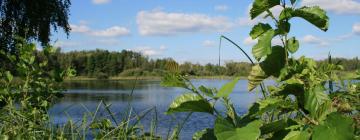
(32, 20)
(303, 104)
(27, 93)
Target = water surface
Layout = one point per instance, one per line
(86, 95)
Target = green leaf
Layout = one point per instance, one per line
(315, 15)
(283, 27)
(263, 47)
(256, 76)
(335, 127)
(9, 76)
(226, 89)
(190, 103)
(292, 45)
(260, 6)
(297, 135)
(274, 62)
(226, 131)
(207, 91)
(173, 80)
(268, 105)
(317, 102)
(259, 29)
(276, 126)
(206, 134)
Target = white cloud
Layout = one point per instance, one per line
(221, 8)
(209, 43)
(249, 41)
(112, 31)
(310, 39)
(100, 1)
(247, 21)
(336, 6)
(356, 28)
(109, 32)
(79, 28)
(157, 22)
(148, 51)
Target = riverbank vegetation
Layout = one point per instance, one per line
(103, 64)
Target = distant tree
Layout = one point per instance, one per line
(31, 20)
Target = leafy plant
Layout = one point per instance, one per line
(304, 103)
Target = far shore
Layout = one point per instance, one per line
(84, 78)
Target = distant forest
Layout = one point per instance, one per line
(104, 64)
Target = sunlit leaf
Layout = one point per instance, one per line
(260, 6)
(173, 80)
(335, 127)
(226, 89)
(317, 102)
(259, 29)
(226, 131)
(263, 47)
(315, 15)
(256, 76)
(190, 103)
(292, 45)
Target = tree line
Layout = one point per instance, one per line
(103, 64)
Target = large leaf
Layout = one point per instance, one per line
(263, 47)
(335, 127)
(226, 131)
(317, 102)
(206, 134)
(226, 89)
(260, 6)
(315, 15)
(274, 62)
(256, 76)
(259, 29)
(292, 45)
(190, 103)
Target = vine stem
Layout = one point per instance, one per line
(262, 86)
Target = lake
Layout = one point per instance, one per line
(81, 96)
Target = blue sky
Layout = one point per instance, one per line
(189, 30)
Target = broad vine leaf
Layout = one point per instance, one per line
(274, 62)
(256, 76)
(297, 135)
(205, 134)
(260, 6)
(292, 45)
(317, 102)
(226, 89)
(226, 131)
(259, 29)
(9, 76)
(263, 47)
(190, 103)
(335, 127)
(315, 15)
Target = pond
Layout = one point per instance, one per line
(81, 96)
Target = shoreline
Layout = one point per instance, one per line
(83, 78)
